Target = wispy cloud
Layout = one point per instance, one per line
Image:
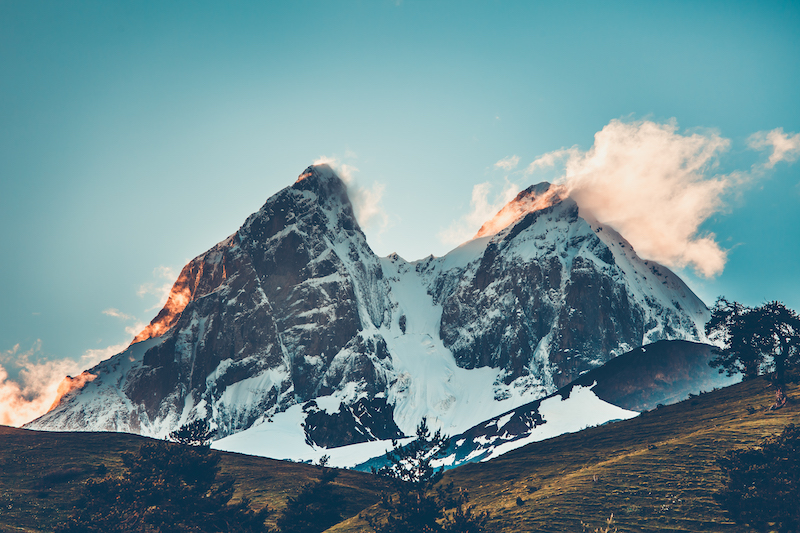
(117, 314)
(783, 146)
(31, 380)
(657, 185)
(160, 286)
(484, 204)
(134, 325)
(35, 386)
(550, 159)
(367, 201)
(508, 163)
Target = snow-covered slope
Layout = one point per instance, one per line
(662, 373)
(295, 341)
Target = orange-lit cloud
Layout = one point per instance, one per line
(518, 207)
(484, 204)
(178, 297)
(35, 387)
(69, 384)
(164, 279)
(654, 185)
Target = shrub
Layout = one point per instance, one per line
(763, 483)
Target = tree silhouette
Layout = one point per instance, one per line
(763, 484)
(196, 433)
(736, 327)
(165, 488)
(756, 340)
(314, 509)
(416, 504)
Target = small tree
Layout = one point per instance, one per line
(416, 505)
(735, 326)
(314, 509)
(196, 433)
(763, 484)
(780, 337)
(165, 488)
(756, 339)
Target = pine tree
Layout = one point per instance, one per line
(314, 509)
(196, 433)
(165, 488)
(416, 504)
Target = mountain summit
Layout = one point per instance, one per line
(295, 341)
(533, 198)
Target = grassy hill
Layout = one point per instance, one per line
(656, 472)
(41, 474)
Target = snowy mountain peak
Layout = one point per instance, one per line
(322, 180)
(534, 198)
(294, 340)
(320, 171)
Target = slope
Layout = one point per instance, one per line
(41, 474)
(664, 372)
(656, 472)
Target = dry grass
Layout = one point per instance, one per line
(41, 475)
(657, 472)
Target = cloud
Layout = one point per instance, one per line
(136, 328)
(508, 163)
(550, 159)
(32, 392)
(117, 314)
(484, 204)
(161, 287)
(367, 201)
(368, 207)
(30, 381)
(785, 147)
(133, 329)
(654, 185)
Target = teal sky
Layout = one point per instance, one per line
(135, 135)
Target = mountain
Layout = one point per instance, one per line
(658, 472)
(647, 378)
(296, 341)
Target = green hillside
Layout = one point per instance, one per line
(41, 474)
(656, 472)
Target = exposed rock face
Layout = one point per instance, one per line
(293, 321)
(365, 420)
(274, 304)
(549, 296)
(662, 373)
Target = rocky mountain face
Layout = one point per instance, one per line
(552, 294)
(295, 340)
(643, 379)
